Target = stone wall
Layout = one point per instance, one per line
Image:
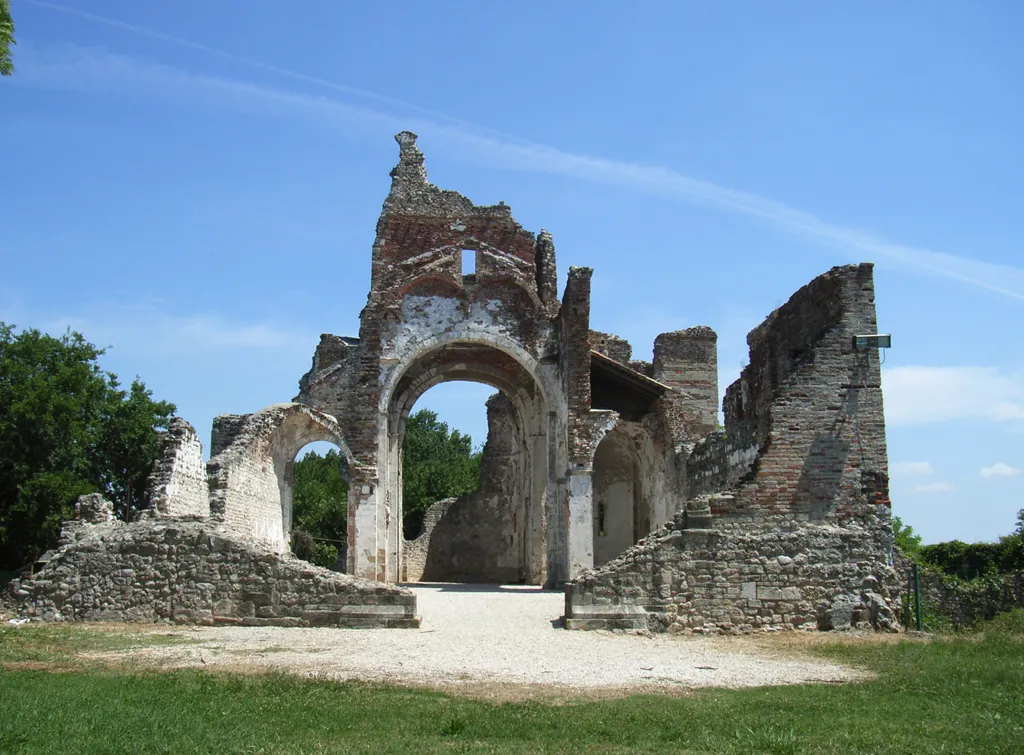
(325, 386)
(787, 522)
(177, 485)
(197, 572)
(612, 346)
(687, 360)
(962, 603)
(248, 479)
(706, 581)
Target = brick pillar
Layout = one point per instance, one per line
(687, 360)
(547, 273)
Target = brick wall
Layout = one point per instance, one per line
(795, 490)
(687, 360)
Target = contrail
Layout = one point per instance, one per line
(519, 154)
(268, 67)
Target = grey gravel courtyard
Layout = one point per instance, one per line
(502, 642)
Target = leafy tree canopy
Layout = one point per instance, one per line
(319, 507)
(66, 428)
(905, 538)
(966, 560)
(6, 38)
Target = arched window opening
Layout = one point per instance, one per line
(315, 505)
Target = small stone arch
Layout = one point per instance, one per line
(433, 285)
(626, 484)
(250, 475)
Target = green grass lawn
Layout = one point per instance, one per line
(957, 694)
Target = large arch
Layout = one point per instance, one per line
(505, 367)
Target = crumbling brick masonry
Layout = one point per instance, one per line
(602, 473)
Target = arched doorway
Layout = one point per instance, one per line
(622, 512)
(504, 536)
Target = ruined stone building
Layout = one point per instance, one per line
(602, 473)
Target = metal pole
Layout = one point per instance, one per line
(917, 599)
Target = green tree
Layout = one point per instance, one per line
(905, 538)
(437, 463)
(66, 428)
(6, 38)
(319, 507)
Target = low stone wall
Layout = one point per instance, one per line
(188, 571)
(415, 553)
(706, 581)
(963, 603)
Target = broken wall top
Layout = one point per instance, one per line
(423, 230)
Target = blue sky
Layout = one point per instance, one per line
(196, 185)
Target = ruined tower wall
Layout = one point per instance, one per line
(795, 491)
(177, 484)
(804, 422)
(687, 360)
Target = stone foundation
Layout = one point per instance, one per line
(678, 580)
(186, 571)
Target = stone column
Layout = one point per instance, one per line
(365, 554)
(581, 522)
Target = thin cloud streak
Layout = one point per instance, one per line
(917, 395)
(911, 469)
(99, 70)
(268, 67)
(933, 487)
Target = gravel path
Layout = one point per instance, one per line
(502, 642)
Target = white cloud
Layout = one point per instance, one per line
(933, 487)
(95, 70)
(919, 395)
(144, 328)
(911, 468)
(1001, 469)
